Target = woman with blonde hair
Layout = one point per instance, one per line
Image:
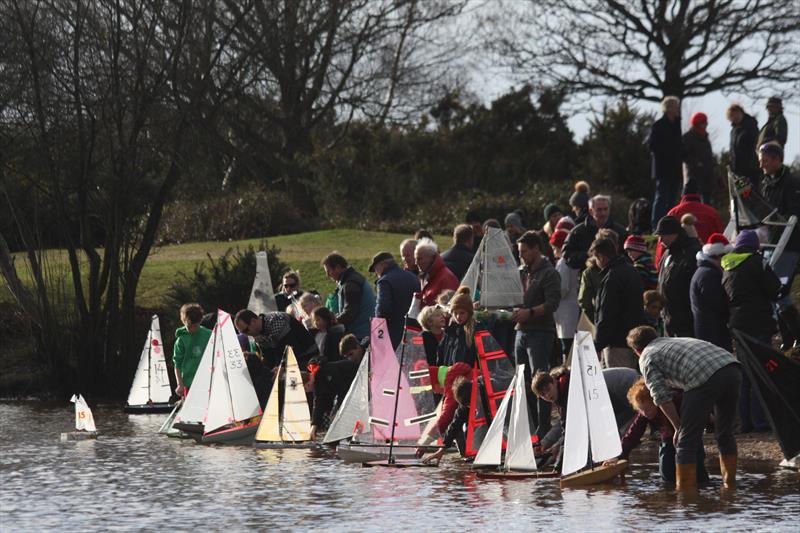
(458, 344)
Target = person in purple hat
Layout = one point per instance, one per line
(752, 287)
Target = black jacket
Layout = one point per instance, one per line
(431, 344)
(576, 247)
(783, 192)
(332, 381)
(458, 259)
(700, 163)
(674, 278)
(282, 300)
(666, 149)
(751, 287)
(709, 304)
(744, 161)
(619, 303)
(454, 349)
(330, 344)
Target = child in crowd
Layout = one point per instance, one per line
(329, 333)
(636, 248)
(458, 344)
(653, 305)
(190, 343)
(433, 321)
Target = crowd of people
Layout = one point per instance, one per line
(662, 306)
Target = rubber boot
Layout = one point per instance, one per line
(727, 466)
(686, 476)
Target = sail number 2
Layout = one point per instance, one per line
(235, 359)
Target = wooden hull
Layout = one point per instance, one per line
(495, 474)
(148, 408)
(363, 453)
(241, 435)
(600, 474)
(274, 445)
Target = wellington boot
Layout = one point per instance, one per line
(727, 466)
(686, 476)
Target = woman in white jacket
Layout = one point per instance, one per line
(568, 312)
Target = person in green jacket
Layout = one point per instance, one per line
(190, 343)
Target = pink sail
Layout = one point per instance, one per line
(385, 369)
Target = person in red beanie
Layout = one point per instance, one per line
(701, 167)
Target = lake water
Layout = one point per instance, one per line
(130, 478)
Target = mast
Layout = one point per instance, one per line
(149, 362)
(586, 406)
(391, 459)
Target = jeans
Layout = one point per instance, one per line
(665, 198)
(720, 394)
(533, 348)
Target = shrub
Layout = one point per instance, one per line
(246, 214)
(225, 283)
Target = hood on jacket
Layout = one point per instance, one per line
(734, 260)
(703, 259)
(181, 332)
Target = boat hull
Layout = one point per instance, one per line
(274, 445)
(148, 408)
(78, 435)
(242, 435)
(363, 453)
(600, 474)
(400, 463)
(495, 474)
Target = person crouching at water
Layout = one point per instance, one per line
(647, 414)
(710, 378)
(461, 392)
(190, 343)
(458, 344)
(329, 381)
(553, 387)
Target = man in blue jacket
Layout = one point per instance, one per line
(396, 287)
(354, 294)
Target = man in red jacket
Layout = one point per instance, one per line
(708, 220)
(434, 275)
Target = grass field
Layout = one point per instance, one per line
(302, 252)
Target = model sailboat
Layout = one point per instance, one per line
(222, 406)
(151, 391)
(287, 423)
(389, 407)
(591, 434)
(493, 273)
(519, 461)
(84, 421)
(262, 297)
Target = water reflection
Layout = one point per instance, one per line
(130, 478)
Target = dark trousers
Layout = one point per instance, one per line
(719, 394)
(666, 198)
(533, 349)
(666, 463)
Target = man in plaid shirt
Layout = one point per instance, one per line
(710, 378)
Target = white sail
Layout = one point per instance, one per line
(243, 396)
(491, 450)
(195, 405)
(269, 429)
(151, 382)
(501, 285)
(519, 451)
(470, 279)
(262, 297)
(576, 435)
(83, 415)
(590, 415)
(232, 397)
(603, 431)
(296, 420)
(160, 389)
(140, 388)
(354, 410)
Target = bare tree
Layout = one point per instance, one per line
(650, 49)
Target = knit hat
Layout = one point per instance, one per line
(687, 221)
(717, 245)
(635, 243)
(580, 198)
(514, 218)
(668, 226)
(565, 223)
(462, 301)
(698, 118)
(747, 241)
(549, 210)
(559, 237)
